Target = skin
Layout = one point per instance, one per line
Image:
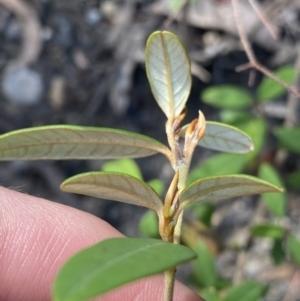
(36, 238)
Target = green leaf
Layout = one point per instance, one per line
(268, 230)
(210, 294)
(293, 180)
(293, 246)
(114, 186)
(127, 166)
(75, 142)
(275, 202)
(168, 71)
(234, 117)
(204, 212)
(114, 262)
(256, 128)
(277, 252)
(247, 291)
(268, 89)
(204, 267)
(148, 225)
(289, 138)
(225, 138)
(224, 187)
(226, 97)
(220, 164)
(157, 185)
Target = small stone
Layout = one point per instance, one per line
(92, 16)
(22, 86)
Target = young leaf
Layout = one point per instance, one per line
(210, 294)
(220, 164)
(268, 230)
(127, 166)
(234, 117)
(204, 267)
(157, 185)
(275, 202)
(226, 97)
(268, 89)
(148, 225)
(247, 291)
(114, 186)
(278, 252)
(289, 138)
(75, 142)
(224, 187)
(168, 71)
(293, 180)
(293, 246)
(256, 128)
(114, 262)
(225, 138)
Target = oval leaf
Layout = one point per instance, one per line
(268, 89)
(224, 138)
(114, 262)
(293, 246)
(247, 291)
(125, 165)
(224, 187)
(168, 71)
(289, 138)
(268, 230)
(114, 186)
(75, 142)
(220, 164)
(227, 97)
(204, 267)
(275, 202)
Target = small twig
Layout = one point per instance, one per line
(253, 63)
(29, 24)
(174, 15)
(263, 18)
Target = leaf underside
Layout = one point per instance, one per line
(225, 138)
(168, 72)
(114, 262)
(223, 187)
(75, 142)
(114, 186)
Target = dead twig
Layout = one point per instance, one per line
(263, 18)
(253, 63)
(29, 25)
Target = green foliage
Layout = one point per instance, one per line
(289, 138)
(246, 291)
(204, 267)
(114, 262)
(293, 246)
(148, 225)
(268, 89)
(220, 164)
(278, 252)
(210, 294)
(227, 97)
(127, 166)
(275, 202)
(293, 180)
(114, 186)
(268, 230)
(204, 212)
